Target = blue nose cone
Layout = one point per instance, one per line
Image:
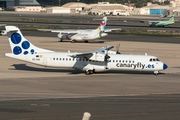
(165, 66)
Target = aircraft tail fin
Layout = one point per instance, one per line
(20, 45)
(172, 18)
(102, 26)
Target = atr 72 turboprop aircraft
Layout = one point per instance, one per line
(84, 35)
(90, 62)
(161, 23)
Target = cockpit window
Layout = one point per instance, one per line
(157, 59)
(154, 59)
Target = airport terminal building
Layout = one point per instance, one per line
(9, 3)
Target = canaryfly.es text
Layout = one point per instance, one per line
(131, 65)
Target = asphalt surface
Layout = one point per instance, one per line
(118, 37)
(83, 21)
(151, 107)
(30, 92)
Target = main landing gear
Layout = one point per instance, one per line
(61, 40)
(86, 41)
(73, 41)
(88, 72)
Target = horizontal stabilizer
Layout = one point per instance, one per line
(2, 24)
(11, 29)
(82, 55)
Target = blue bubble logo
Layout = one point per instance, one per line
(17, 50)
(16, 38)
(32, 51)
(25, 45)
(26, 52)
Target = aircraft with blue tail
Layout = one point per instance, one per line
(99, 60)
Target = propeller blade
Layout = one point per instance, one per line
(117, 49)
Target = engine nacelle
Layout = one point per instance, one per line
(111, 52)
(65, 36)
(100, 68)
(77, 38)
(98, 57)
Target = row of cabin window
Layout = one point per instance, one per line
(82, 59)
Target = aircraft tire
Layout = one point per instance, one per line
(86, 41)
(88, 72)
(156, 73)
(61, 40)
(73, 41)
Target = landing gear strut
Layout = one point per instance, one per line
(61, 40)
(73, 41)
(88, 72)
(156, 73)
(86, 41)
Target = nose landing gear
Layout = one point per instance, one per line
(156, 73)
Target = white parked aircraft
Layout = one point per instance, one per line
(90, 62)
(84, 35)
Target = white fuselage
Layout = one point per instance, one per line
(82, 35)
(159, 23)
(116, 62)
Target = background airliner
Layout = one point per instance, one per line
(90, 62)
(83, 35)
(161, 23)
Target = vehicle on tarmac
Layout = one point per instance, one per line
(100, 60)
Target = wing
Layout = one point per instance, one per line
(60, 31)
(90, 54)
(65, 31)
(72, 30)
(148, 21)
(82, 55)
(110, 30)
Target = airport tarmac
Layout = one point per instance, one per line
(82, 21)
(54, 94)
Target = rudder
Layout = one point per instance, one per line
(19, 44)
